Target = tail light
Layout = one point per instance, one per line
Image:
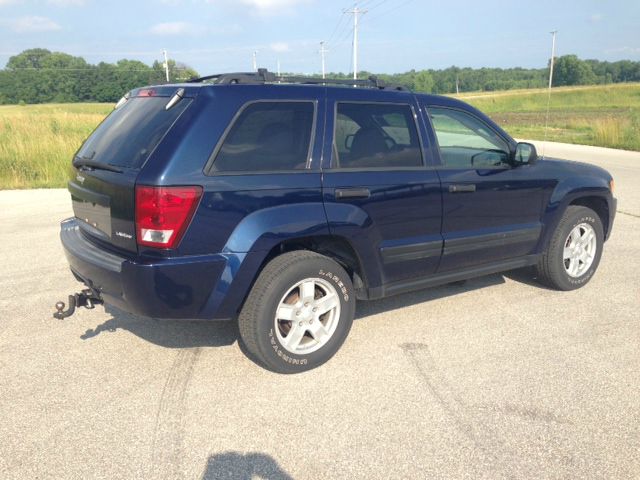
(163, 214)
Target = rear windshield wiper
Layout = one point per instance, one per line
(80, 162)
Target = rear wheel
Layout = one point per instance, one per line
(574, 251)
(298, 313)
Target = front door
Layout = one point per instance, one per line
(492, 209)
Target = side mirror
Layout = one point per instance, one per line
(525, 154)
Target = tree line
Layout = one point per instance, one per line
(568, 70)
(39, 76)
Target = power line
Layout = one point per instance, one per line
(391, 10)
(338, 25)
(370, 8)
(344, 32)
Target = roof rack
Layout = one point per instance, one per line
(263, 76)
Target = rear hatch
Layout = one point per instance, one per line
(107, 165)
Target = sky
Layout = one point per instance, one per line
(395, 35)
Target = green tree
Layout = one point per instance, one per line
(423, 82)
(570, 70)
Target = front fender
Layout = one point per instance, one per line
(569, 191)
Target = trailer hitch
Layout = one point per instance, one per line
(87, 298)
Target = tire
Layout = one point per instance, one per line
(571, 260)
(278, 324)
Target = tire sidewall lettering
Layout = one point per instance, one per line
(342, 288)
(275, 345)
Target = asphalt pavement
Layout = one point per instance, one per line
(496, 378)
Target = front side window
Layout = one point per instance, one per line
(467, 142)
(376, 136)
(268, 136)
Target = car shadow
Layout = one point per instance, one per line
(375, 307)
(167, 333)
(241, 466)
(198, 333)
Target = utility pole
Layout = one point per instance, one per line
(166, 65)
(322, 52)
(457, 84)
(356, 12)
(278, 67)
(553, 56)
(546, 121)
(255, 61)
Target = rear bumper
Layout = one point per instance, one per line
(191, 287)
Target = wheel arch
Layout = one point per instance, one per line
(337, 248)
(597, 204)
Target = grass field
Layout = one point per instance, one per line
(37, 142)
(604, 116)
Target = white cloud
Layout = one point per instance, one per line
(186, 28)
(273, 6)
(279, 47)
(8, 2)
(32, 24)
(174, 28)
(624, 50)
(67, 3)
(596, 17)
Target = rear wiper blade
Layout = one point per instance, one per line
(79, 162)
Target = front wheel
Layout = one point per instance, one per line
(298, 313)
(574, 250)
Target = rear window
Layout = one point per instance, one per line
(268, 136)
(129, 134)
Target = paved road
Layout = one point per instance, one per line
(497, 378)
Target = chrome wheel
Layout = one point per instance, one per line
(579, 250)
(307, 316)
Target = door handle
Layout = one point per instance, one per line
(346, 193)
(462, 188)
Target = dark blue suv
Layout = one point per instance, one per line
(281, 201)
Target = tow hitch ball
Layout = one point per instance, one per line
(86, 298)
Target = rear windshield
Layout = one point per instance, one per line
(127, 136)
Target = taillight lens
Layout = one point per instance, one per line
(163, 214)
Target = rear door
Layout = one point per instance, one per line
(106, 166)
(378, 187)
(491, 209)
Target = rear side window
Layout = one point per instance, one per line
(376, 136)
(268, 136)
(130, 133)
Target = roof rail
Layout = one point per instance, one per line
(263, 76)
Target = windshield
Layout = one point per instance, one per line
(130, 133)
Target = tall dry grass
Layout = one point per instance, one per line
(37, 142)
